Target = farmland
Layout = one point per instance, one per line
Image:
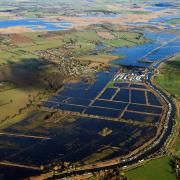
(171, 67)
(161, 170)
(168, 80)
(45, 108)
(89, 89)
(174, 21)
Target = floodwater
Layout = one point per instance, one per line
(36, 24)
(69, 142)
(69, 139)
(134, 54)
(77, 97)
(161, 21)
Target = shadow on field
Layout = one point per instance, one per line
(173, 165)
(174, 64)
(30, 73)
(12, 173)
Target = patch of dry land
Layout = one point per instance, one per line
(16, 29)
(100, 58)
(81, 21)
(40, 27)
(19, 39)
(19, 29)
(106, 35)
(7, 14)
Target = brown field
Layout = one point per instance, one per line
(16, 29)
(106, 35)
(19, 39)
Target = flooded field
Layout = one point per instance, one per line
(69, 141)
(163, 45)
(111, 99)
(101, 107)
(106, 112)
(140, 117)
(115, 114)
(36, 24)
(112, 102)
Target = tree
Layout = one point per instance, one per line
(55, 80)
(175, 164)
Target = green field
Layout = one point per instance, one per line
(14, 99)
(154, 170)
(175, 150)
(101, 58)
(169, 77)
(174, 21)
(128, 39)
(5, 8)
(85, 42)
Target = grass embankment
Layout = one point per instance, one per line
(13, 121)
(33, 122)
(168, 79)
(128, 39)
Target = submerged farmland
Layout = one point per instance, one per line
(97, 105)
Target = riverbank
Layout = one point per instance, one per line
(169, 80)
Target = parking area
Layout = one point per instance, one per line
(130, 76)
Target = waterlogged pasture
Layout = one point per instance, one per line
(140, 117)
(110, 104)
(69, 140)
(152, 99)
(69, 136)
(130, 101)
(108, 93)
(122, 95)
